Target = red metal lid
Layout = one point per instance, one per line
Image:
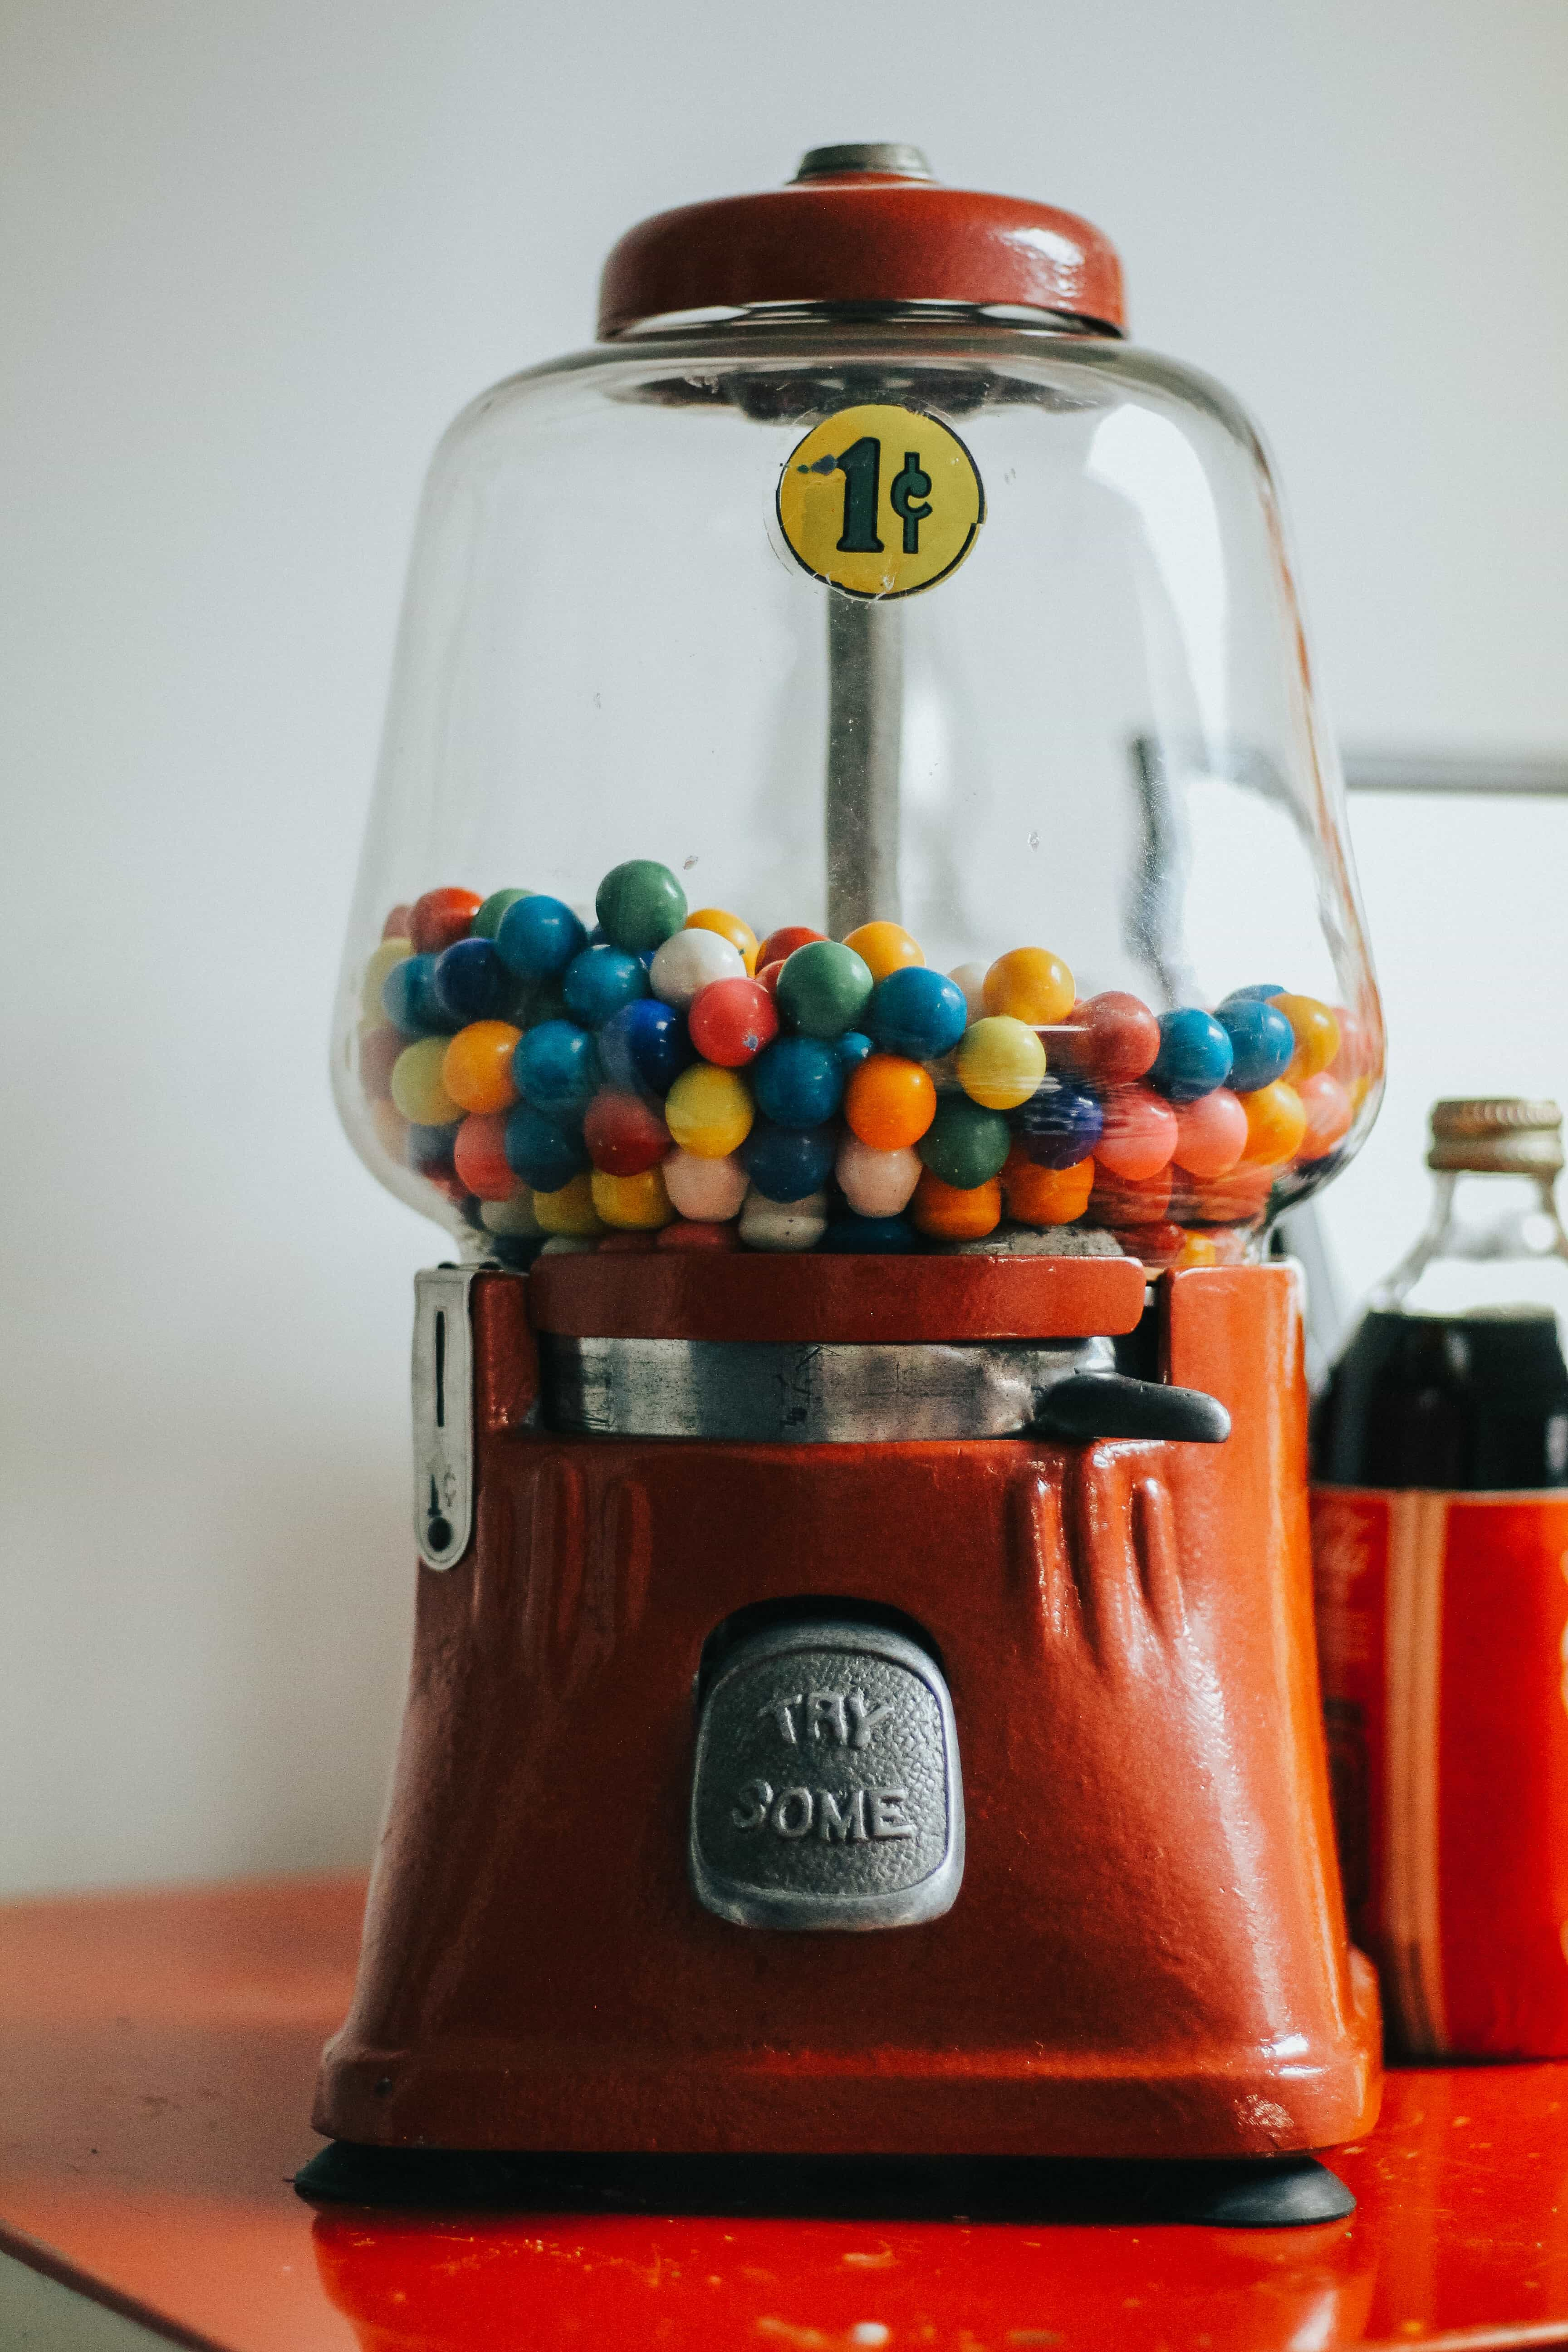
(864, 223)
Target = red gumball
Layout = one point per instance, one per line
(768, 976)
(479, 1155)
(442, 918)
(781, 943)
(1157, 1246)
(1121, 1201)
(1139, 1135)
(731, 1019)
(624, 1135)
(1121, 1037)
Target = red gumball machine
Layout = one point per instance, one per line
(907, 950)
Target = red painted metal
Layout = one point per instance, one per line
(862, 237)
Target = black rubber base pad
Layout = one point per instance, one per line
(1284, 2192)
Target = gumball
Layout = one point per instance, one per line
(1045, 1196)
(1329, 1111)
(1276, 1122)
(690, 962)
(768, 977)
(918, 1012)
(409, 1001)
(784, 1224)
(418, 1087)
(787, 1163)
(709, 1111)
(441, 917)
(969, 978)
(383, 963)
(624, 1134)
(542, 1153)
(732, 1021)
(1158, 1244)
(780, 944)
(479, 1155)
(1211, 1134)
(852, 1049)
(1356, 1059)
(709, 1190)
(1257, 988)
(645, 1045)
(1121, 1037)
(956, 1213)
(1139, 1135)
(538, 936)
(798, 1082)
(686, 1234)
(477, 1070)
(890, 1102)
(1316, 1035)
(870, 1236)
(1000, 1063)
(515, 1216)
(556, 1067)
(1193, 1056)
(487, 921)
(391, 1129)
(1239, 1199)
(1061, 1124)
(569, 1210)
(965, 1144)
(635, 1201)
(1118, 1200)
(1196, 1249)
(884, 948)
(739, 934)
(1261, 1042)
(471, 983)
(1031, 985)
(599, 981)
(428, 1150)
(396, 926)
(876, 1183)
(823, 989)
(379, 1047)
(640, 903)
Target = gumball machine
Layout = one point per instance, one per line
(856, 942)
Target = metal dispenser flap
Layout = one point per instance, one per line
(827, 1791)
(443, 1414)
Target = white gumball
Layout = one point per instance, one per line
(514, 1216)
(710, 1191)
(876, 1183)
(784, 1224)
(689, 961)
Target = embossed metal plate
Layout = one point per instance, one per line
(827, 1791)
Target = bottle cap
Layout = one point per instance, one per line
(1501, 1135)
(862, 223)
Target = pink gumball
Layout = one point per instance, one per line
(1139, 1134)
(1211, 1134)
(1328, 1111)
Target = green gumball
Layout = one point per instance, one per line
(824, 989)
(639, 905)
(965, 1144)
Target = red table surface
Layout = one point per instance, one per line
(156, 2057)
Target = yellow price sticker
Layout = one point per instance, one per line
(880, 500)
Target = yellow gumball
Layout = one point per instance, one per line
(709, 1111)
(632, 1203)
(1032, 985)
(390, 952)
(418, 1088)
(1316, 1035)
(732, 928)
(570, 1211)
(1000, 1062)
(885, 947)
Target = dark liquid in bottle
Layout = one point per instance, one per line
(1453, 1401)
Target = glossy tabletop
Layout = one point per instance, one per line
(156, 2058)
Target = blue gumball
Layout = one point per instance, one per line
(918, 1012)
(538, 937)
(599, 981)
(798, 1082)
(1061, 1124)
(409, 1001)
(1264, 988)
(1193, 1058)
(541, 1150)
(428, 1150)
(786, 1163)
(877, 1236)
(1262, 1041)
(852, 1048)
(472, 983)
(645, 1045)
(556, 1067)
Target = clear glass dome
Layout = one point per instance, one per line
(1026, 672)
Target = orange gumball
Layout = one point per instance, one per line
(884, 948)
(1197, 1249)
(1328, 1110)
(476, 1069)
(1276, 1122)
(1316, 1035)
(1045, 1196)
(949, 1214)
(1033, 985)
(890, 1102)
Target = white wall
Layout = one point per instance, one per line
(256, 253)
